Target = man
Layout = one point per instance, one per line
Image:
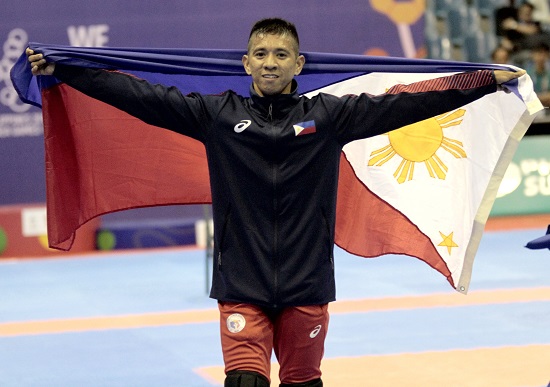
(539, 70)
(274, 191)
(521, 31)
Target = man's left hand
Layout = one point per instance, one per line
(503, 76)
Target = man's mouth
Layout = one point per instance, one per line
(270, 76)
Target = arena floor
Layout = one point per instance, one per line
(143, 318)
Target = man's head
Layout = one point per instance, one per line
(525, 12)
(541, 55)
(273, 57)
(500, 55)
(275, 26)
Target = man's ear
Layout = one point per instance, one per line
(300, 62)
(245, 64)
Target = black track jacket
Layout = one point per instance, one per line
(274, 192)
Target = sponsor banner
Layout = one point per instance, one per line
(393, 28)
(525, 188)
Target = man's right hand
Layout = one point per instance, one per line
(39, 65)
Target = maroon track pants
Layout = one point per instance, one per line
(296, 334)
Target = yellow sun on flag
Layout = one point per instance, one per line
(418, 143)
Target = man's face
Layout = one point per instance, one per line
(525, 13)
(272, 61)
(540, 57)
(500, 56)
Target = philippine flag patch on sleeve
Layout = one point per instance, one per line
(302, 128)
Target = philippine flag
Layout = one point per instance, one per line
(425, 190)
(302, 128)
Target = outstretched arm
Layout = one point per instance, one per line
(154, 104)
(403, 105)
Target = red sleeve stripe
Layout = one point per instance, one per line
(458, 81)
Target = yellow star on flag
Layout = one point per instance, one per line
(447, 241)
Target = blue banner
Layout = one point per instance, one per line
(377, 27)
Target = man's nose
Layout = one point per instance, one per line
(270, 62)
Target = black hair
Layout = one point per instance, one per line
(528, 4)
(542, 46)
(275, 26)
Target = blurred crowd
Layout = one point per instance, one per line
(523, 39)
(514, 32)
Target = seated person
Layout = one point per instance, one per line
(539, 71)
(522, 32)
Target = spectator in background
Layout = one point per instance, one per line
(500, 55)
(507, 12)
(539, 71)
(522, 32)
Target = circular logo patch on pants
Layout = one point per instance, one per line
(236, 323)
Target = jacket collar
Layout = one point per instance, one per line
(280, 103)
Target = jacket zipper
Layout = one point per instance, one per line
(222, 236)
(330, 238)
(275, 206)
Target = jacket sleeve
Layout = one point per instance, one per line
(365, 115)
(158, 105)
